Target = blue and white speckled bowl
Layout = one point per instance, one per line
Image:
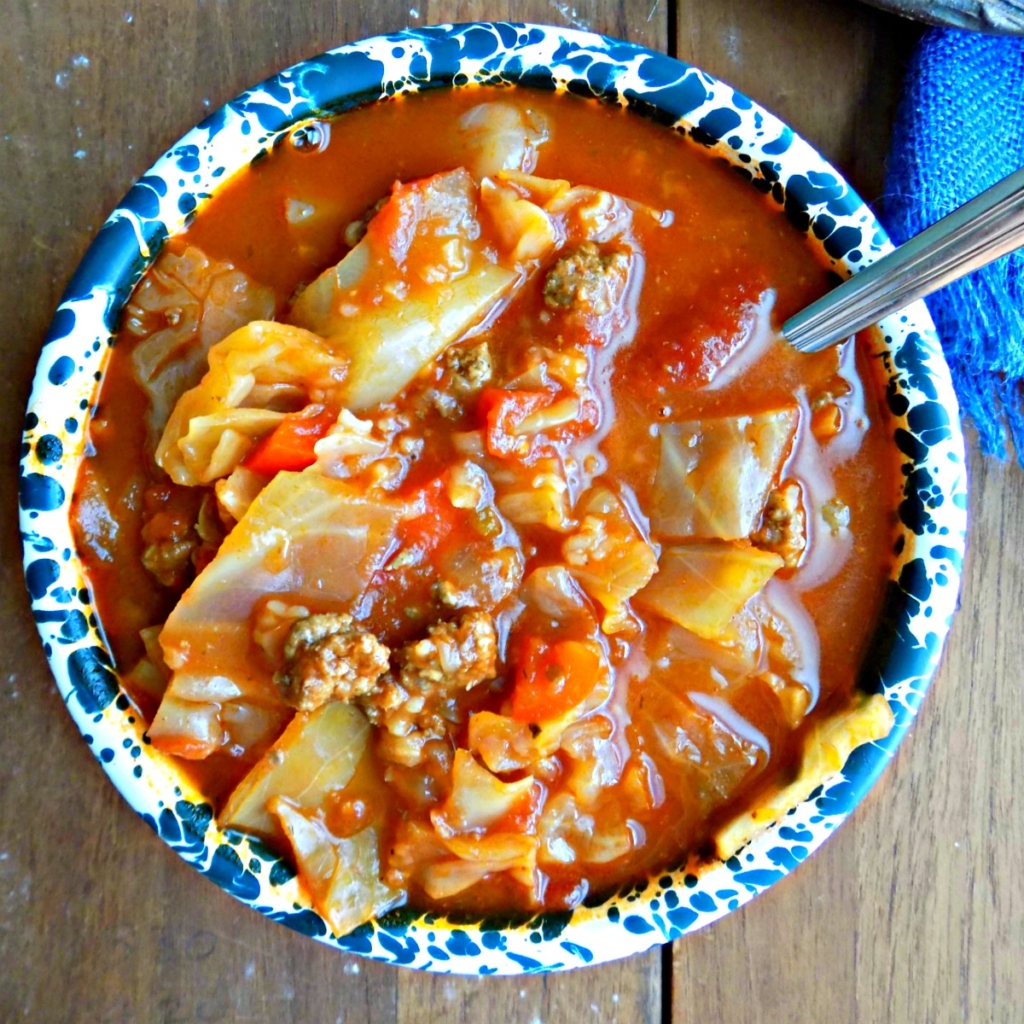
(926, 431)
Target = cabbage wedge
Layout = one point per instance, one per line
(421, 277)
(715, 474)
(703, 586)
(314, 538)
(342, 875)
(315, 756)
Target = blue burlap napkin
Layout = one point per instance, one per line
(959, 129)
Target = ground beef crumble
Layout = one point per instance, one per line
(169, 533)
(470, 365)
(783, 524)
(586, 280)
(329, 657)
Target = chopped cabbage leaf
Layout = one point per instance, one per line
(479, 857)
(703, 586)
(772, 638)
(478, 798)
(609, 556)
(546, 192)
(420, 278)
(826, 749)
(238, 490)
(252, 727)
(587, 213)
(539, 496)
(715, 474)
(553, 590)
(708, 749)
(479, 575)
(792, 643)
(150, 675)
(197, 717)
(145, 679)
(502, 743)
(563, 829)
(412, 844)
(597, 759)
(260, 354)
(611, 840)
(187, 728)
(216, 444)
(502, 137)
(724, 661)
(569, 834)
(184, 305)
(315, 756)
(342, 875)
(525, 229)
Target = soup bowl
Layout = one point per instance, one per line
(922, 423)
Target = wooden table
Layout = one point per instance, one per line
(913, 912)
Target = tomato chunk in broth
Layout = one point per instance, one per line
(461, 523)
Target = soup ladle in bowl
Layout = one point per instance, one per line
(989, 226)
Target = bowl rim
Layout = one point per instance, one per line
(924, 583)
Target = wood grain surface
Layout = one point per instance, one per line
(914, 912)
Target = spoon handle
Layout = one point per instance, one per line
(976, 233)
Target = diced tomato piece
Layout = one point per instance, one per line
(501, 412)
(391, 227)
(289, 446)
(437, 520)
(696, 347)
(553, 678)
(694, 362)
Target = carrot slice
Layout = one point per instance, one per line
(289, 446)
(552, 679)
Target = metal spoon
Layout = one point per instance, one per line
(989, 226)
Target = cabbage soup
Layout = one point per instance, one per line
(460, 522)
